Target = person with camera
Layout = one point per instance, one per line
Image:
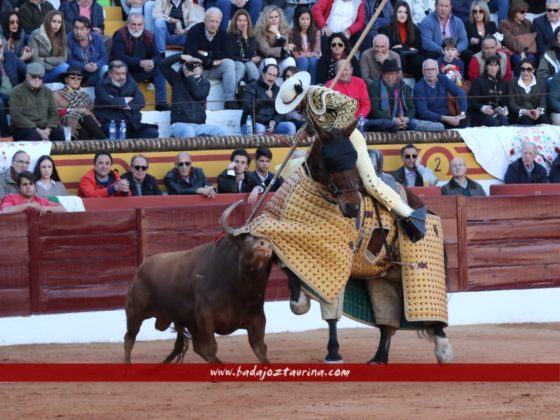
(189, 91)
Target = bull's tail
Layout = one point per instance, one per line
(181, 345)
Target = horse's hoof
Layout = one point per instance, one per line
(444, 350)
(302, 305)
(374, 361)
(337, 358)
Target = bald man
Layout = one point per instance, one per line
(185, 179)
(526, 170)
(373, 58)
(460, 184)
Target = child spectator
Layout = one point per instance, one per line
(449, 63)
(26, 198)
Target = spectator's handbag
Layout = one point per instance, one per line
(453, 105)
(529, 42)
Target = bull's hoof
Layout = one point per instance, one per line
(302, 305)
(443, 350)
(334, 358)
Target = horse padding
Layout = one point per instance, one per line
(310, 236)
(424, 287)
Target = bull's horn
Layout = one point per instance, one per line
(225, 215)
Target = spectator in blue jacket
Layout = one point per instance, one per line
(443, 24)
(13, 69)
(431, 97)
(71, 10)
(86, 50)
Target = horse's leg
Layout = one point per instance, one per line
(255, 333)
(333, 356)
(443, 349)
(331, 312)
(181, 345)
(382, 353)
(299, 300)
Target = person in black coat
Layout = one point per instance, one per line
(140, 182)
(543, 26)
(258, 101)
(555, 170)
(409, 48)
(14, 71)
(237, 179)
(118, 98)
(479, 25)
(487, 99)
(185, 179)
(525, 170)
(189, 91)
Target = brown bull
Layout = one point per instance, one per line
(213, 288)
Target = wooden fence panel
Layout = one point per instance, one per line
(512, 242)
(15, 295)
(517, 208)
(85, 261)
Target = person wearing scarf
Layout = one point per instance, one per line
(391, 101)
(75, 107)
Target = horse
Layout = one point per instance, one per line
(347, 191)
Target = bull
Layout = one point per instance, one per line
(213, 288)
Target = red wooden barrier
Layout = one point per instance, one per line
(524, 189)
(85, 261)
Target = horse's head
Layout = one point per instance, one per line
(335, 167)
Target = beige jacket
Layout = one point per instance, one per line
(192, 13)
(42, 48)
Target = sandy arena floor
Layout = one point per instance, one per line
(524, 343)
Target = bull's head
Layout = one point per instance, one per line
(259, 250)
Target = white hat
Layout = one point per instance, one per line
(292, 92)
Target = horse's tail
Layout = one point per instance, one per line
(181, 344)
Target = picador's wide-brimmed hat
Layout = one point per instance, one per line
(72, 70)
(292, 92)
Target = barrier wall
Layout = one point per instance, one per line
(85, 261)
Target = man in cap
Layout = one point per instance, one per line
(392, 102)
(33, 110)
(326, 108)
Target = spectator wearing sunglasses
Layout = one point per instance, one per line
(33, 109)
(189, 91)
(185, 179)
(413, 173)
(139, 180)
(545, 26)
(527, 97)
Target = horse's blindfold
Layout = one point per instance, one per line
(339, 156)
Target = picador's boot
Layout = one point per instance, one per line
(415, 224)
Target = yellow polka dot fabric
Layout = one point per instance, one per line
(424, 287)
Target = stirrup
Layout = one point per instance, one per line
(415, 224)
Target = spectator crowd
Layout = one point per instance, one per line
(424, 65)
